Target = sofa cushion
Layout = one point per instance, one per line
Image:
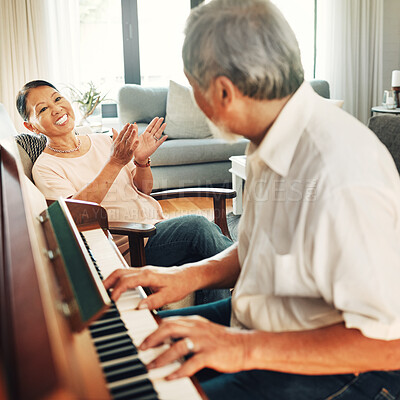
(193, 151)
(184, 118)
(141, 104)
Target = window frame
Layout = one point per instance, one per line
(130, 36)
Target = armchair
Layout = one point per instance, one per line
(31, 146)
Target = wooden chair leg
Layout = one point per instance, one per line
(220, 215)
(136, 249)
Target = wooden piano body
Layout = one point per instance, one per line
(42, 356)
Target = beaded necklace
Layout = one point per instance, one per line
(66, 151)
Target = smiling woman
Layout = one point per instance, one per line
(46, 110)
(115, 173)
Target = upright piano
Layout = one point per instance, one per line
(61, 335)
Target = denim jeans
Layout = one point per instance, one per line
(271, 385)
(186, 239)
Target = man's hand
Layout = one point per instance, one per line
(167, 284)
(211, 345)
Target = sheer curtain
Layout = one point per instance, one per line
(38, 40)
(349, 52)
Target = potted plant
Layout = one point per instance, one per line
(88, 102)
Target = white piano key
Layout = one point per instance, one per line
(107, 261)
(178, 389)
(128, 301)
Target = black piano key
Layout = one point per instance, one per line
(105, 322)
(133, 390)
(108, 331)
(111, 313)
(109, 369)
(125, 371)
(117, 353)
(108, 339)
(113, 343)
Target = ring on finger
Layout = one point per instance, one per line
(155, 138)
(189, 344)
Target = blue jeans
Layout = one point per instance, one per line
(187, 239)
(271, 385)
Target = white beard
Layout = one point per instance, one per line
(221, 132)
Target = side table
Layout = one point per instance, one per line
(238, 171)
(384, 110)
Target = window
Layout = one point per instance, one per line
(161, 27)
(153, 38)
(300, 16)
(101, 45)
(140, 41)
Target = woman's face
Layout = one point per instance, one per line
(49, 112)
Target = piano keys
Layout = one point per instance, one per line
(123, 365)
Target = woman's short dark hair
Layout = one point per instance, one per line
(23, 95)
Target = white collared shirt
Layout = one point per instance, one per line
(319, 239)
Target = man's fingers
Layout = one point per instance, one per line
(120, 281)
(153, 301)
(112, 278)
(189, 367)
(176, 351)
(170, 328)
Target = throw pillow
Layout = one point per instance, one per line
(184, 118)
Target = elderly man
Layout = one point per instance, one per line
(315, 311)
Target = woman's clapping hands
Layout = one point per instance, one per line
(150, 140)
(128, 144)
(124, 144)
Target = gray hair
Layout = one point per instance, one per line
(249, 42)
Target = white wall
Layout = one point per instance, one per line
(391, 41)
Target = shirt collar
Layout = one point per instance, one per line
(279, 144)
